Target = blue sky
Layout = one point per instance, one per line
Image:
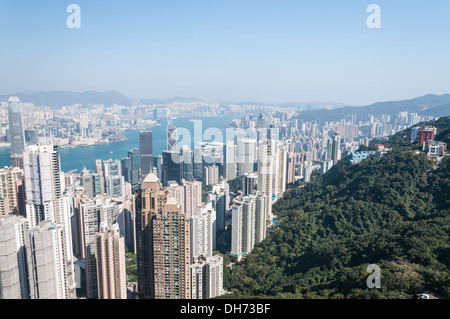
(235, 50)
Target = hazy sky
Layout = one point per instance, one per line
(228, 50)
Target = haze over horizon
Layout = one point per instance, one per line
(263, 51)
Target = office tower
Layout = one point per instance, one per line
(172, 167)
(114, 181)
(192, 197)
(188, 163)
(17, 160)
(219, 197)
(126, 168)
(10, 178)
(133, 155)
(203, 231)
(31, 136)
(172, 138)
(157, 164)
(210, 175)
(207, 277)
(146, 152)
(87, 181)
(265, 172)
(198, 163)
(97, 184)
(13, 268)
(230, 158)
(249, 182)
(149, 200)
(242, 227)
(246, 155)
(172, 257)
(111, 264)
(45, 254)
(16, 132)
(99, 171)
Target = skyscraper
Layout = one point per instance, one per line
(114, 181)
(172, 138)
(10, 178)
(111, 264)
(172, 167)
(146, 152)
(203, 231)
(249, 182)
(133, 155)
(172, 256)
(13, 268)
(16, 132)
(265, 172)
(149, 200)
(246, 155)
(46, 261)
(230, 158)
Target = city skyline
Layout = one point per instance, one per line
(281, 52)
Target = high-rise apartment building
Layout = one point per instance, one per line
(10, 178)
(111, 264)
(265, 172)
(45, 255)
(230, 160)
(13, 268)
(172, 256)
(149, 200)
(203, 224)
(248, 226)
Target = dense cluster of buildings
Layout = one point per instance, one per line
(66, 234)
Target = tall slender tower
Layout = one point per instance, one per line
(16, 132)
(111, 265)
(172, 138)
(265, 172)
(171, 249)
(146, 152)
(13, 268)
(46, 261)
(43, 201)
(149, 200)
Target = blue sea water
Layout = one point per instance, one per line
(75, 159)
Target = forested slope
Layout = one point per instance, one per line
(393, 212)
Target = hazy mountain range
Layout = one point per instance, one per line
(431, 104)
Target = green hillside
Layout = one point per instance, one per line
(393, 212)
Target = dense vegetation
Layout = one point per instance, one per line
(393, 212)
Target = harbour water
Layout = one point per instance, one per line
(76, 158)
